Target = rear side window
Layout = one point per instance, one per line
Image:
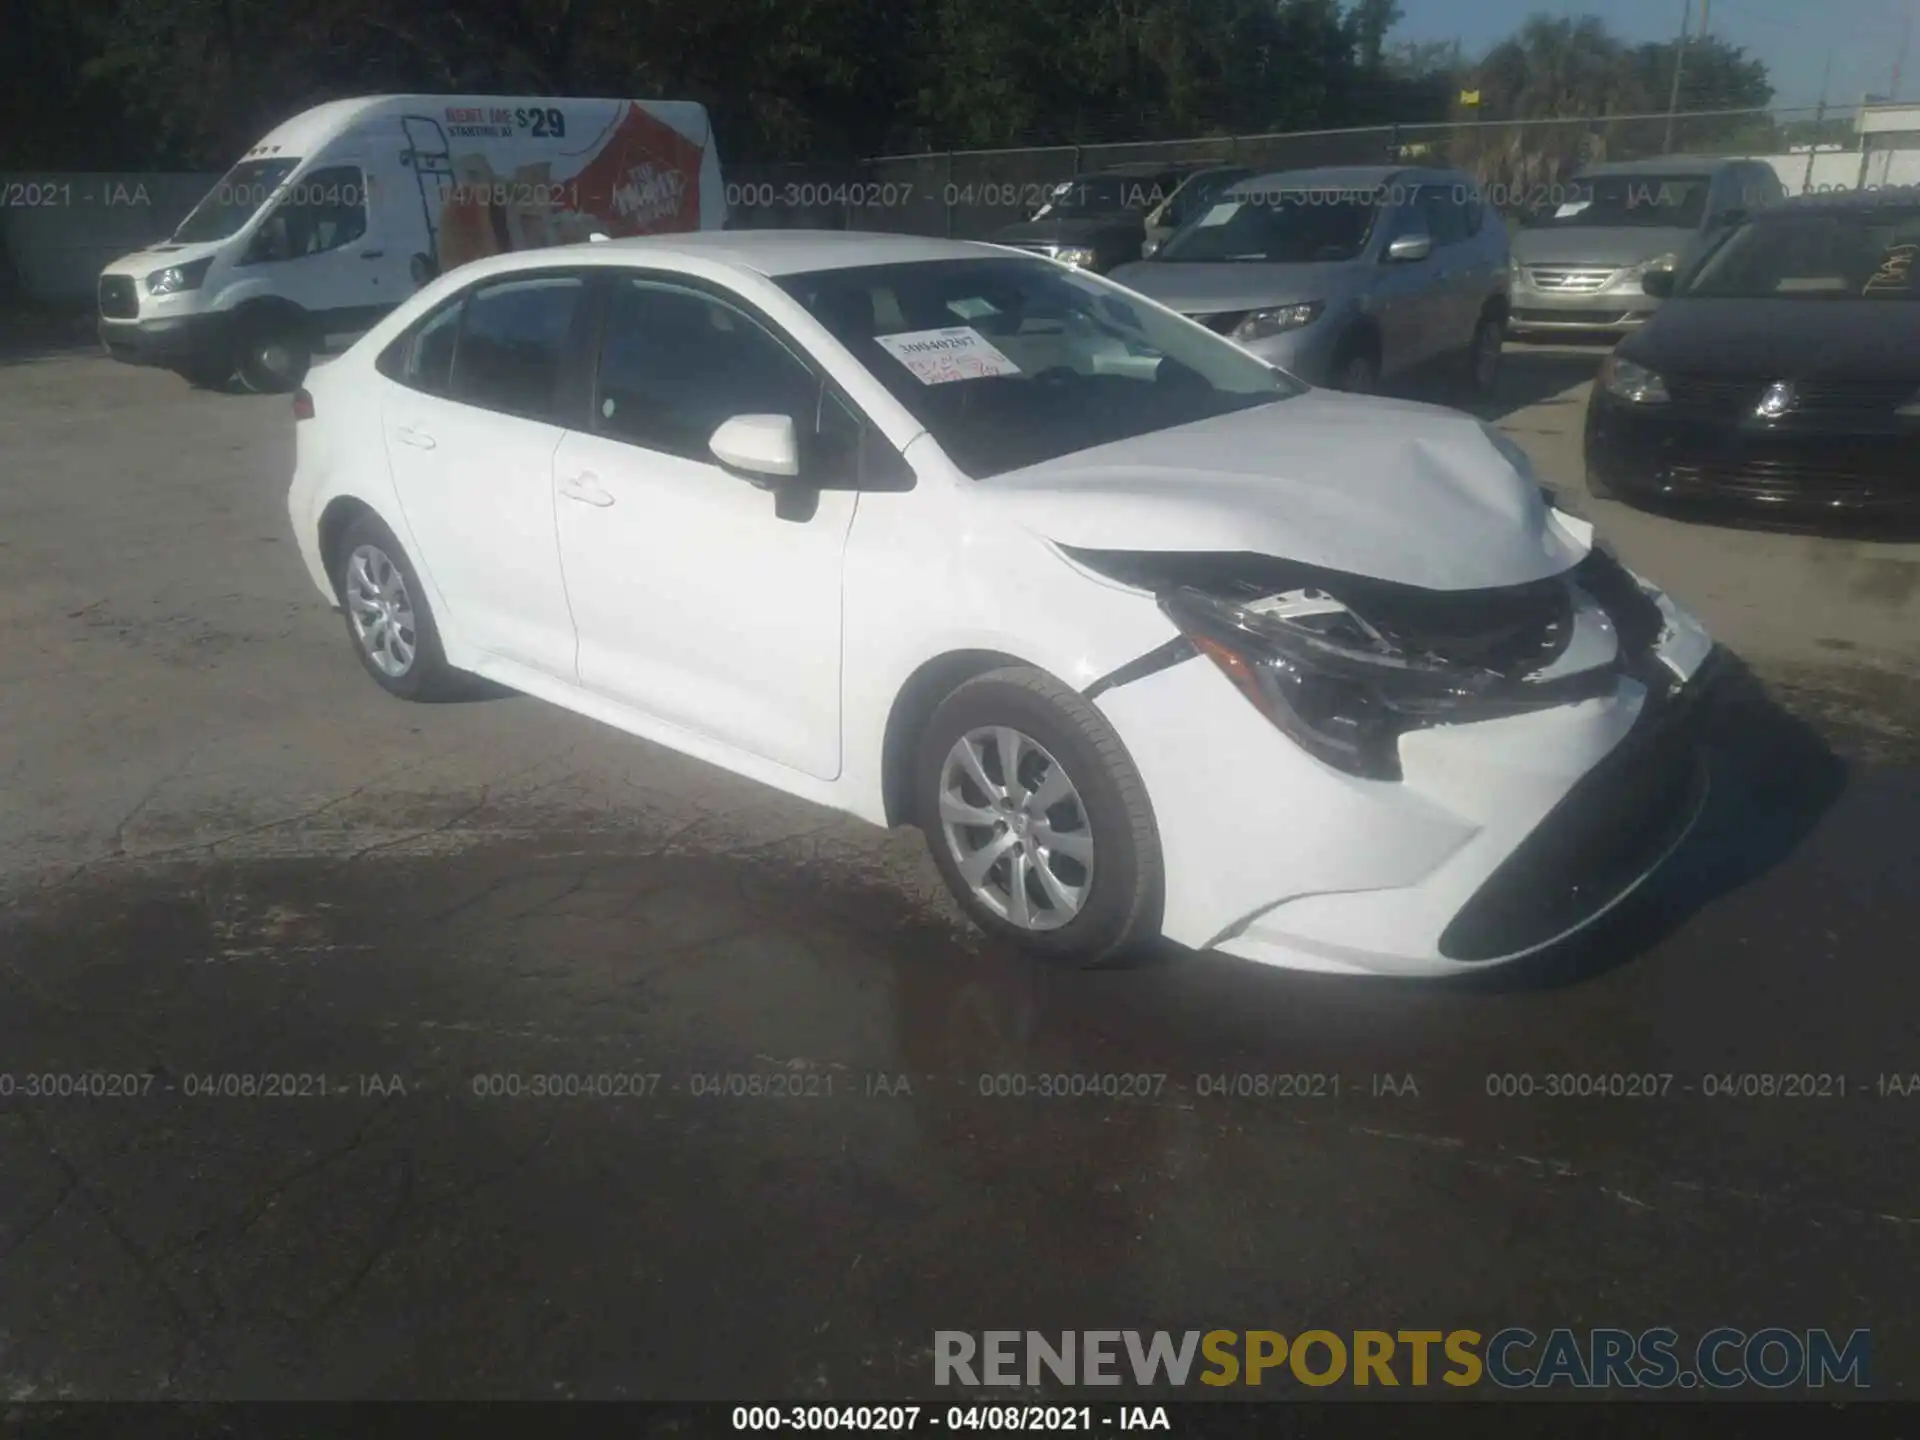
(511, 343)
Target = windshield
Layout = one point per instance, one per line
(233, 201)
(1012, 362)
(1282, 227)
(1675, 201)
(1848, 255)
(1105, 195)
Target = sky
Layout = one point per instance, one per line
(1793, 37)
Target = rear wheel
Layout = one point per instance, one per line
(1038, 819)
(1482, 360)
(274, 353)
(387, 615)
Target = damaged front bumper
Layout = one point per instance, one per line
(1499, 837)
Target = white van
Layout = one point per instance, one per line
(344, 211)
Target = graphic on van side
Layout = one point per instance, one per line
(641, 177)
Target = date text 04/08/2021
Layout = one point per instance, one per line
(911, 1419)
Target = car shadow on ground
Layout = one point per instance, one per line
(1529, 376)
(1772, 778)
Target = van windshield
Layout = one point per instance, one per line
(234, 200)
(1668, 201)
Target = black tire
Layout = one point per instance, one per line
(428, 676)
(1480, 365)
(209, 371)
(1356, 366)
(272, 352)
(1121, 910)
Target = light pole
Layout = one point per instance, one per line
(1679, 63)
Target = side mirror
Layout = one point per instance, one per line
(1150, 249)
(1409, 248)
(763, 448)
(1657, 283)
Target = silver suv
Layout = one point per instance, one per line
(1579, 262)
(1343, 276)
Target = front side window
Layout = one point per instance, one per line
(321, 211)
(1868, 254)
(510, 343)
(677, 363)
(1011, 362)
(1445, 216)
(1281, 227)
(234, 200)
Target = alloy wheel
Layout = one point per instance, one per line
(381, 611)
(1016, 827)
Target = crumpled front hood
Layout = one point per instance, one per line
(1388, 489)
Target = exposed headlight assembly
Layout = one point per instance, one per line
(1327, 678)
(1633, 273)
(1633, 383)
(1260, 324)
(176, 278)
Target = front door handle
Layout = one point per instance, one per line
(418, 439)
(371, 254)
(587, 489)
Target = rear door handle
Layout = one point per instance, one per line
(587, 489)
(418, 439)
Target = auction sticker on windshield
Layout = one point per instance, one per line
(938, 357)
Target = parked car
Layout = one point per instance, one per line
(1782, 377)
(1578, 262)
(1195, 194)
(1098, 220)
(1149, 638)
(342, 212)
(1343, 276)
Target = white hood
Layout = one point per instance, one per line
(1387, 489)
(142, 263)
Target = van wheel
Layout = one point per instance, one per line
(274, 354)
(209, 372)
(1038, 819)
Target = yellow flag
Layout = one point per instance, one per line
(1469, 97)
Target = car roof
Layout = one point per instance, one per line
(1896, 197)
(1343, 177)
(1665, 165)
(770, 253)
(1143, 167)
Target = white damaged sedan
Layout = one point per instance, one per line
(1148, 637)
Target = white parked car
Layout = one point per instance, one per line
(1148, 637)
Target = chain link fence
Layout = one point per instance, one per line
(970, 194)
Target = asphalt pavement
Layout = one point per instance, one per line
(357, 1049)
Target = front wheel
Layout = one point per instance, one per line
(274, 354)
(1038, 819)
